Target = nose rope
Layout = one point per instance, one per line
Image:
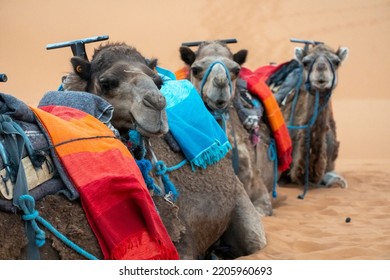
(208, 71)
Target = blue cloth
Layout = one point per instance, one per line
(198, 134)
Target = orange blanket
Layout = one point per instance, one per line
(257, 86)
(113, 194)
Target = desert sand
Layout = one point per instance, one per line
(313, 228)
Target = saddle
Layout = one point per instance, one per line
(22, 168)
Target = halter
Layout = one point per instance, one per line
(208, 71)
(222, 114)
(307, 127)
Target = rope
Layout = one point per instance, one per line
(27, 204)
(272, 156)
(208, 71)
(78, 139)
(222, 115)
(145, 167)
(307, 127)
(161, 170)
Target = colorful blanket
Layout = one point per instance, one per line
(257, 86)
(115, 199)
(198, 134)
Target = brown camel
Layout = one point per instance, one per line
(214, 70)
(212, 205)
(319, 78)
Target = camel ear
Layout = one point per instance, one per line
(152, 63)
(240, 56)
(342, 53)
(187, 55)
(299, 53)
(81, 67)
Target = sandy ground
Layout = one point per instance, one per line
(313, 228)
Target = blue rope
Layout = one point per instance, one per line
(145, 167)
(312, 120)
(27, 204)
(208, 71)
(161, 170)
(272, 155)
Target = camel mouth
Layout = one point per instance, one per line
(217, 106)
(150, 131)
(322, 85)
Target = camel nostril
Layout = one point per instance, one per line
(162, 101)
(154, 101)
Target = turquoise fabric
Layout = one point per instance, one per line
(198, 134)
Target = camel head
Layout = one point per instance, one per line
(122, 76)
(214, 72)
(320, 64)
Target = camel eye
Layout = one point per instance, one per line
(235, 71)
(336, 62)
(158, 81)
(108, 83)
(306, 62)
(195, 70)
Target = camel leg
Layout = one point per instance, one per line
(318, 156)
(332, 178)
(245, 234)
(297, 171)
(249, 175)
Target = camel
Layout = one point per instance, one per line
(319, 64)
(212, 205)
(214, 70)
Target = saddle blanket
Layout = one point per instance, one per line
(198, 134)
(256, 83)
(114, 197)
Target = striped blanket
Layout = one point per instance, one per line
(256, 84)
(114, 197)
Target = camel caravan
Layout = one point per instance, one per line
(128, 160)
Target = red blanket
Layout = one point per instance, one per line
(113, 194)
(257, 86)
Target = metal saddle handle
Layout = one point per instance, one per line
(197, 43)
(77, 46)
(3, 78)
(306, 42)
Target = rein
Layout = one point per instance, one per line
(169, 192)
(223, 115)
(208, 71)
(307, 127)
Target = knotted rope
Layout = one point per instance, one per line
(273, 156)
(137, 142)
(31, 216)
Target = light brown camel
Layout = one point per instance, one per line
(320, 65)
(214, 71)
(212, 205)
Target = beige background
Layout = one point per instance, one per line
(157, 28)
(314, 227)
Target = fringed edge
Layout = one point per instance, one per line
(211, 155)
(142, 246)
